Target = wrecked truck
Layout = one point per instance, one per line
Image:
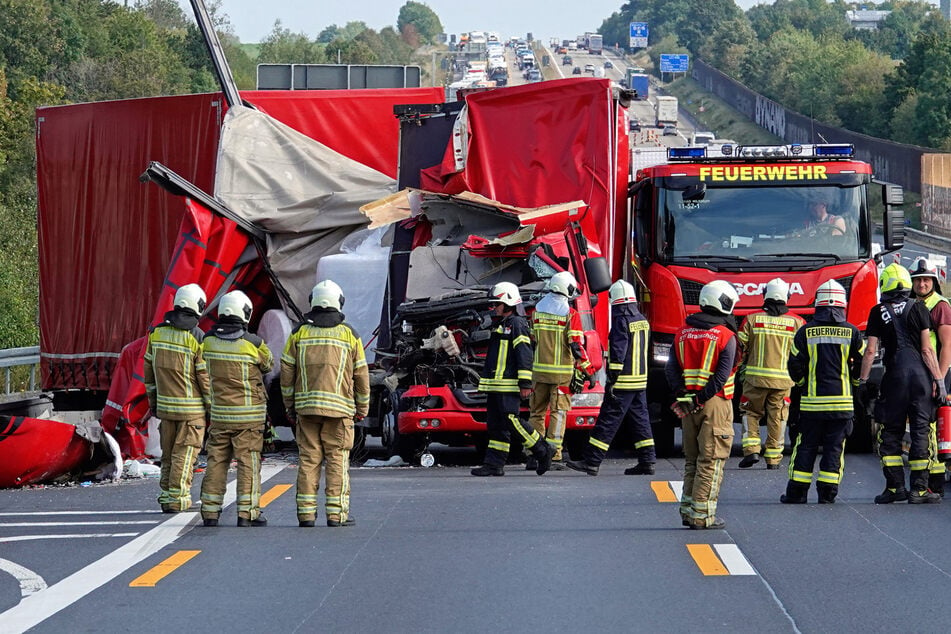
(425, 377)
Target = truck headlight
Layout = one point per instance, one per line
(587, 399)
(661, 352)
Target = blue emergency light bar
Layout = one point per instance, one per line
(686, 153)
(842, 150)
(729, 152)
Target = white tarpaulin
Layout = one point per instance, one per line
(307, 196)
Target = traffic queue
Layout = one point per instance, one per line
(542, 359)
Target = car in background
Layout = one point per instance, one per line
(566, 60)
(634, 125)
(589, 68)
(669, 129)
(608, 64)
(533, 74)
(576, 70)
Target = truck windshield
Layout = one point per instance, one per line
(750, 223)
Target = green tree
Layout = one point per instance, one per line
(329, 34)
(283, 47)
(424, 19)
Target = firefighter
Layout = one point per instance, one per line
(559, 353)
(824, 361)
(237, 362)
(176, 384)
(506, 380)
(765, 338)
(700, 372)
(325, 385)
(912, 382)
(625, 395)
(926, 285)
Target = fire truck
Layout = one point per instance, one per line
(740, 213)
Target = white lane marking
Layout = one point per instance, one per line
(21, 524)
(38, 607)
(733, 559)
(30, 582)
(35, 513)
(677, 486)
(23, 538)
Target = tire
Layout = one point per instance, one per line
(575, 442)
(408, 447)
(663, 432)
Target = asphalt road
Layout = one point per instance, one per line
(436, 550)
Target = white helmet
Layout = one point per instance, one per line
(506, 293)
(235, 304)
(327, 294)
(563, 283)
(777, 289)
(191, 297)
(830, 293)
(621, 292)
(720, 296)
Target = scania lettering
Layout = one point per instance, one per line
(743, 214)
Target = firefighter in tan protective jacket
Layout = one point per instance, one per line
(176, 383)
(325, 384)
(559, 353)
(237, 362)
(766, 338)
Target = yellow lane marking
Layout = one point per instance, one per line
(663, 491)
(273, 493)
(708, 562)
(167, 567)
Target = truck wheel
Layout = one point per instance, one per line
(575, 442)
(664, 434)
(863, 438)
(389, 431)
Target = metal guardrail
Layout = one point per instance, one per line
(16, 357)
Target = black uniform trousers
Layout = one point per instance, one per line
(817, 430)
(624, 406)
(501, 418)
(905, 396)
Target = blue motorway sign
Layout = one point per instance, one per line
(674, 63)
(638, 35)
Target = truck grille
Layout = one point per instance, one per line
(691, 291)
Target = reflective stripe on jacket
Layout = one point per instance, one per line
(698, 352)
(931, 301)
(508, 359)
(554, 335)
(324, 372)
(175, 376)
(766, 340)
(628, 346)
(823, 360)
(236, 369)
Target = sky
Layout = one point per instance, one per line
(254, 19)
(544, 19)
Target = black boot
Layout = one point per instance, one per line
(795, 494)
(888, 496)
(583, 466)
(936, 483)
(488, 470)
(749, 461)
(923, 497)
(827, 493)
(641, 468)
(338, 524)
(260, 521)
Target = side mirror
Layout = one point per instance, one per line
(893, 221)
(597, 274)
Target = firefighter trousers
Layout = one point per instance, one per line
(501, 418)
(815, 431)
(181, 442)
(707, 439)
(772, 403)
(938, 469)
(244, 445)
(553, 399)
(622, 406)
(906, 396)
(327, 441)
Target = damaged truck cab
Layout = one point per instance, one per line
(447, 252)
